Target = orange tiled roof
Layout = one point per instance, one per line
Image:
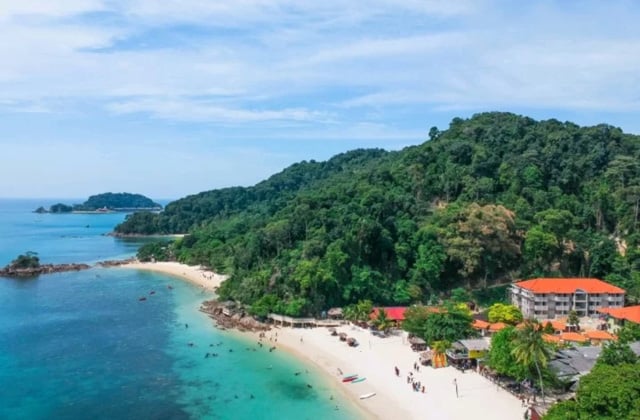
(599, 335)
(572, 336)
(629, 313)
(557, 324)
(550, 338)
(568, 285)
(497, 326)
(480, 324)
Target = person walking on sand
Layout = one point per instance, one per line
(455, 383)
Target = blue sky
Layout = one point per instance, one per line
(168, 98)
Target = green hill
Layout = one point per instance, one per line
(493, 198)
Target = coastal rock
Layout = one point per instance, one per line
(231, 316)
(115, 263)
(10, 271)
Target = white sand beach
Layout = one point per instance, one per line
(193, 274)
(375, 359)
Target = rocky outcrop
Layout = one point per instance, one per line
(115, 263)
(230, 315)
(11, 271)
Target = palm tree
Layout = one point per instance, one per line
(382, 321)
(530, 349)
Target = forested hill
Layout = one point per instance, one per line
(493, 198)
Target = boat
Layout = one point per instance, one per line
(349, 378)
(365, 396)
(355, 381)
(142, 299)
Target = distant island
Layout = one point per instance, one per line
(106, 203)
(28, 265)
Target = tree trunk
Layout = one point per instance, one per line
(540, 378)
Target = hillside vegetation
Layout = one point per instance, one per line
(494, 198)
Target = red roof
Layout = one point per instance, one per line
(550, 338)
(599, 335)
(568, 285)
(480, 324)
(497, 326)
(572, 336)
(557, 324)
(394, 313)
(629, 313)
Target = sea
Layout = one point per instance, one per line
(82, 345)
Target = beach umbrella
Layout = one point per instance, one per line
(343, 336)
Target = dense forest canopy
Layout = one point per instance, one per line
(494, 198)
(109, 200)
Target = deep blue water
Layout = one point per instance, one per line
(82, 345)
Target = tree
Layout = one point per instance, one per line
(442, 324)
(501, 356)
(382, 321)
(616, 353)
(573, 319)
(460, 295)
(28, 260)
(530, 349)
(629, 333)
(509, 314)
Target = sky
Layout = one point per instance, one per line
(172, 97)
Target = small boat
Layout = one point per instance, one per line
(142, 299)
(153, 292)
(365, 396)
(355, 381)
(349, 378)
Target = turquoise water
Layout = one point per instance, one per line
(82, 345)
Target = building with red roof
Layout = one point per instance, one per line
(394, 313)
(543, 298)
(622, 315)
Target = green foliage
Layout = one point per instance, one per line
(509, 314)
(118, 201)
(443, 324)
(616, 353)
(607, 392)
(460, 295)
(60, 208)
(359, 312)
(530, 350)
(629, 333)
(493, 198)
(501, 355)
(382, 321)
(573, 319)
(156, 251)
(27, 260)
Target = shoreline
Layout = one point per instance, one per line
(196, 275)
(375, 359)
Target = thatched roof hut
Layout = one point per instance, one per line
(335, 313)
(417, 343)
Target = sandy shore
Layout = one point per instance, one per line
(375, 359)
(193, 274)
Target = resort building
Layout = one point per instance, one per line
(617, 317)
(548, 298)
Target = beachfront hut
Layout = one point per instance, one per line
(426, 357)
(417, 344)
(466, 353)
(335, 313)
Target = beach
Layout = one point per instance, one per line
(194, 274)
(375, 358)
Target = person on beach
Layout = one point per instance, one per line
(397, 371)
(455, 383)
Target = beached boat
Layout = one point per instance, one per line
(349, 378)
(355, 381)
(365, 396)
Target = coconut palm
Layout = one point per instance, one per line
(530, 349)
(382, 321)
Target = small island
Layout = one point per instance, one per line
(106, 203)
(28, 265)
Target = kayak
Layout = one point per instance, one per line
(355, 381)
(365, 396)
(349, 378)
